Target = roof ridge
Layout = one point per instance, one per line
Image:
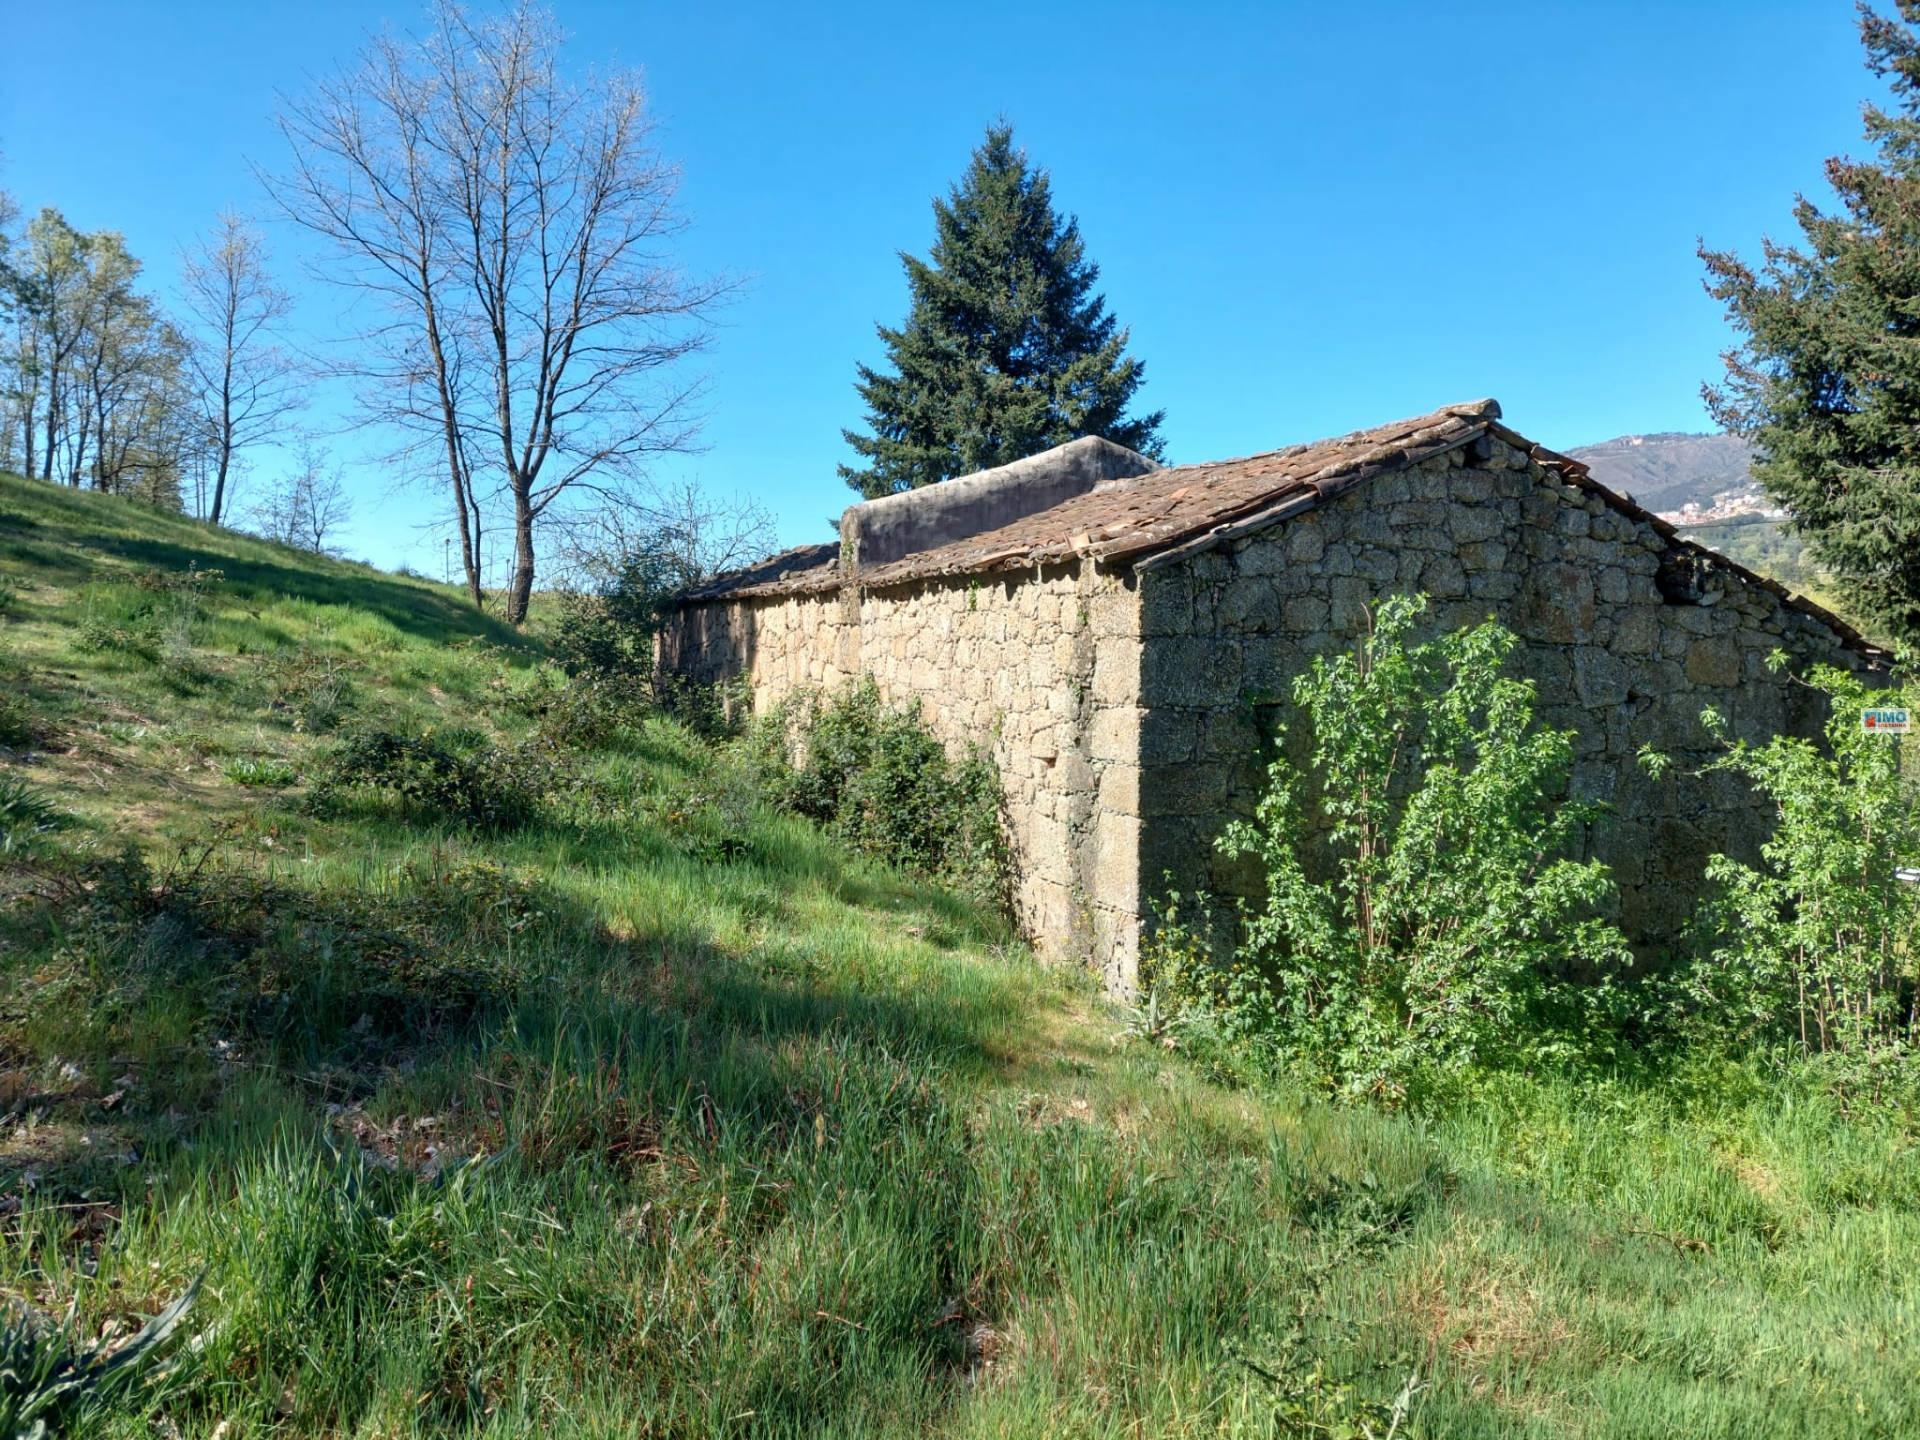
(1180, 510)
(1487, 408)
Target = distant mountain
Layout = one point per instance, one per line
(1704, 485)
(1667, 472)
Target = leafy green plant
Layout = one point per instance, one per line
(46, 1379)
(26, 814)
(714, 711)
(1819, 944)
(1420, 915)
(578, 711)
(877, 777)
(260, 772)
(607, 630)
(18, 726)
(133, 636)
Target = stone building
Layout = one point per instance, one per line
(1122, 635)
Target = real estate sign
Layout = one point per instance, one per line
(1886, 720)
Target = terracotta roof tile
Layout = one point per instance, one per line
(1180, 509)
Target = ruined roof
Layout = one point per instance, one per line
(774, 575)
(1168, 513)
(894, 527)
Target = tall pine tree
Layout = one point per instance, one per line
(1007, 350)
(1826, 374)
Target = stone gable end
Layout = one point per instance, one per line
(1622, 654)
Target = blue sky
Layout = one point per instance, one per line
(1313, 217)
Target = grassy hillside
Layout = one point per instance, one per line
(1765, 545)
(662, 1115)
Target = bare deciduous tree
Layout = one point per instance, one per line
(515, 226)
(307, 506)
(247, 384)
(693, 534)
(363, 176)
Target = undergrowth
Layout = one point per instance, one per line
(878, 778)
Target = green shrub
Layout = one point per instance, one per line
(472, 898)
(577, 712)
(714, 712)
(602, 641)
(1819, 944)
(154, 619)
(450, 776)
(312, 689)
(113, 622)
(19, 727)
(181, 591)
(1449, 919)
(712, 819)
(608, 630)
(874, 775)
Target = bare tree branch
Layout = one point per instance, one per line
(519, 225)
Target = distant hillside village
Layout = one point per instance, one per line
(1703, 486)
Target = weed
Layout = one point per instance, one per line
(27, 814)
(47, 1379)
(581, 711)
(19, 726)
(312, 688)
(260, 772)
(135, 636)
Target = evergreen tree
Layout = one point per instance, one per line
(1007, 350)
(1826, 374)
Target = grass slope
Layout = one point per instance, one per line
(664, 1116)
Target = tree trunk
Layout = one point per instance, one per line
(226, 431)
(82, 432)
(220, 482)
(462, 493)
(521, 590)
(468, 514)
(53, 421)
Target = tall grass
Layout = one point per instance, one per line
(664, 1114)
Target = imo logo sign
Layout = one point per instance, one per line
(1886, 720)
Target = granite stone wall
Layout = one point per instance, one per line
(1042, 668)
(1627, 636)
(1130, 713)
